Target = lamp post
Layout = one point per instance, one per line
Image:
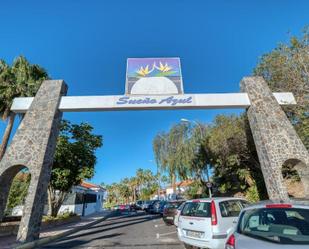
(184, 120)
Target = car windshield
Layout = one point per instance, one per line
(181, 206)
(278, 225)
(196, 209)
(173, 204)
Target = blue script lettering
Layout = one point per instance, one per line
(140, 101)
(127, 100)
(174, 101)
(122, 101)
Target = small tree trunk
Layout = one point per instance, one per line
(174, 183)
(134, 194)
(55, 201)
(7, 134)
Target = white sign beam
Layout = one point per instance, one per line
(149, 102)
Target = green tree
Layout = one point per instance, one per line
(233, 155)
(18, 190)
(182, 152)
(170, 152)
(112, 195)
(133, 184)
(286, 69)
(147, 183)
(74, 161)
(22, 79)
(125, 191)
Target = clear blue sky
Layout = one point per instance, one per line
(86, 43)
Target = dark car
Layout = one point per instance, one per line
(152, 207)
(149, 206)
(170, 210)
(158, 207)
(133, 207)
(145, 206)
(139, 205)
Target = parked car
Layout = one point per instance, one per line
(178, 211)
(207, 223)
(159, 207)
(170, 210)
(272, 226)
(139, 205)
(133, 207)
(146, 205)
(124, 208)
(116, 207)
(152, 207)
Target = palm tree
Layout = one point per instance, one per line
(133, 183)
(20, 80)
(124, 190)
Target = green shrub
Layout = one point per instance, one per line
(62, 216)
(252, 194)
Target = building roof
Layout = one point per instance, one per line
(185, 183)
(90, 185)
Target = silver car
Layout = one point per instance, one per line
(272, 226)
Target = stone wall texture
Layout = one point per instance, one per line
(33, 146)
(275, 139)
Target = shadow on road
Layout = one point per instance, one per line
(110, 224)
(74, 243)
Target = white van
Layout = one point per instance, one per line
(207, 223)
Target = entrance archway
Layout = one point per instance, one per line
(34, 143)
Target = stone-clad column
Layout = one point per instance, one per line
(33, 146)
(275, 139)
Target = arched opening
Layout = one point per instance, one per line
(296, 178)
(14, 182)
(18, 193)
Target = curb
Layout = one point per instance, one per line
(40, 242)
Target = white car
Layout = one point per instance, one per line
(207, 223)
(272, 226)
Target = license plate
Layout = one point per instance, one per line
(169, 218)
(194, 234)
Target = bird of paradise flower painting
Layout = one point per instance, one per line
(154, 76)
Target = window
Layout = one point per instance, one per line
(230, 208)
(196, 209)
(173, 205)
(278, 225)
(244, 203)
(90, 198)
(79, 198)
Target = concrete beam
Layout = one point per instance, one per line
(149, 102)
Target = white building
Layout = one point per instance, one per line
(168, 192)
(84, 199)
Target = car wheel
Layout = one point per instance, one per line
(188, 246)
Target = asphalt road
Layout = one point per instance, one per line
(123, 231)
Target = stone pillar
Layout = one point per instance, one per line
(33, 146)
(275, 139)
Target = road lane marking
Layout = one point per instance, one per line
(159, 225)
(164, 234)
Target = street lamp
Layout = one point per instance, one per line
(184, 120)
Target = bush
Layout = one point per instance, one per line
(252, 194)
(62, 216)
